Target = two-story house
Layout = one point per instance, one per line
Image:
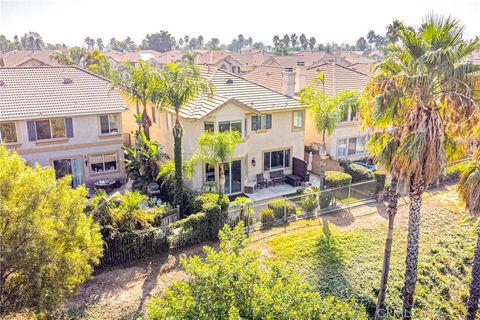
(64, 117)
(272, 126)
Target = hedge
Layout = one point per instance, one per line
(206, 198)
(358, 172)
(278, 205)
(380, 178)
(326, 198)
(335, 179)
(267, 217)
(309, 201)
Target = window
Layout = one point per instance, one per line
(209, 126)
(103, 162)
(349, 115)
(154, 115)
(262, 122)
(275, 160)
(8, 132)
(50, 129)
(350, 146)
(298, 119)
(109, 123)
(209, 173)
(230, 125)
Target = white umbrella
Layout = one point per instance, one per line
(310, 160)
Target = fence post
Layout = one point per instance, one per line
(319, 209)
(178, 212)
(348, 199)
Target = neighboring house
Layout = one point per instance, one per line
(347, 141)
(221, 59)
(251, 59)
(63, 117)
(117, 57)
(272, 126)
(28, 58)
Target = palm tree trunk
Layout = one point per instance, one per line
(323, 147)
(177, 157)
(221, 177)
(411, 268)
(146, 122)
(391, 211)
(472, 303)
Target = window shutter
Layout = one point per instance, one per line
(269, 121)
(254, 123)
(32, 132)
(69, 127)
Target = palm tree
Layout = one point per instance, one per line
(89, 42)
(469, 191)
(181, 84)
(217, 149)
(141, 82)
(326, 112)
(425, 87)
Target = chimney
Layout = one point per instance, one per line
(300, 79)
(288, 82)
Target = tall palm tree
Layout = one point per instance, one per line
(428, 88)
(469, 191)
(326, 112)
(181, 84)
(217, 149)
(142, 83)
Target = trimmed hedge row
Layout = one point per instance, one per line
(278, 205)
(335, 179)
(358, 172)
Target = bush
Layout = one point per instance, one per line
(326, 198)
(245, 210)
(453, 172)
(267, 217)
(309, 201)
(335, 179)
(380, 178)
(278, 205)
(207, 198)
(194, 221)
(357, 172)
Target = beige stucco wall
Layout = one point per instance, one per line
(343, 130)
(87, 141)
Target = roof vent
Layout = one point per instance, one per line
(229, 82)
(289, 69)
(2, 83)
(67, 81)
(268, 74)
(300, 64)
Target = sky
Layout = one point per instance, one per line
(341, 21)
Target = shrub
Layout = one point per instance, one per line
(193, 221)
(453, 172)
(309, 201)
(267, 217)
(335, 179)
(278, 205)
(245, 210)
(187, 199)
(208, 198)
(380, 178)
(326, 198)
(357, 172)
(216, 218)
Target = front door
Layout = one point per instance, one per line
(71, 167)
(233, 177)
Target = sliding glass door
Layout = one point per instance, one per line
(71, 167)
(233, 177)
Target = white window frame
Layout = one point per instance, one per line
(347, 142)
(50, 126)
(16, 133)
(108, 122)
(270, 159)
(230, 125)
(294, 120)
(103, 154)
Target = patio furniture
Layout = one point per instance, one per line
(153, 190)
(250, 186)
(261, 181)
(277, 176)
(293, 180)
(106, 184)
(299, 173)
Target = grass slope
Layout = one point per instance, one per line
(347, 263)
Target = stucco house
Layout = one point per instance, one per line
(291, 74)
(28, 58)
(272, 125)
(64, 117)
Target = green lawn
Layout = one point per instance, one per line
(346, 262)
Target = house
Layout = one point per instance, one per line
(64, 117)
(221, 59)
(117, 57)
(347, 140)
(272, 125)
(28, 58)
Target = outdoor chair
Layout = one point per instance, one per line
(277, 176)
(261, 181)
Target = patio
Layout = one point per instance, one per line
(279, 190)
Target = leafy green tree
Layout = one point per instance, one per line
(326, 113)
(181, 84)
(469, 191)
(217, 149)
(311, 43)
(32, 41)
(74, 56)
(100, 44)
(90, 43)
(161, 41)
(142, 83)
(47, 244)
(142, 161)
(294, 40)
(361, 44)
(425, 84)
(233, 284)
(303, 42)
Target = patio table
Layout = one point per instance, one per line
(106, 184)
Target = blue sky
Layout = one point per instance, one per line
(340, 21)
